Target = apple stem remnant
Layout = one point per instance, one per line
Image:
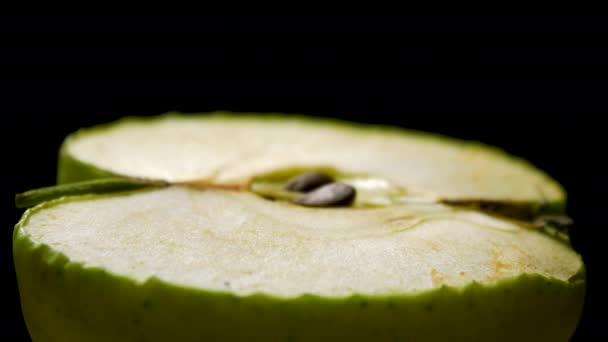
(97, 186)
(106, 185)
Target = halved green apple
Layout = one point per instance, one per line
(214, 247)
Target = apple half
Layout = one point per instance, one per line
(203, 242)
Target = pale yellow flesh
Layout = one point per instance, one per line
(237, 242)
(236, 149)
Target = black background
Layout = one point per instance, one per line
(535, 86)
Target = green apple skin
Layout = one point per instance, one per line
(66, 301)
(71, 170)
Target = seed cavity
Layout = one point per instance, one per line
(307, 181)
(329, 195)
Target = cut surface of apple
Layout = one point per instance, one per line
(227, 149)
(235, 242)
(222, 252)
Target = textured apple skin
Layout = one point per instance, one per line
(72, 170)
(66, 301)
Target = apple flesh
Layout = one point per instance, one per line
(179, 263)
(209, 257)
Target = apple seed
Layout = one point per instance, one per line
(307, 181)
(329, 195)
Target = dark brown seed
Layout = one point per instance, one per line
(329, 195)
(307, 181)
